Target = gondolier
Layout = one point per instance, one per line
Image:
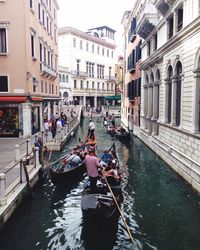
(92, 164)
(91, 129)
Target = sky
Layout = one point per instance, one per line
(87, 14)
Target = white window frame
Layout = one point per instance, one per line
(4, 26)
(33, 34)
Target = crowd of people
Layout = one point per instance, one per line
(57, 122)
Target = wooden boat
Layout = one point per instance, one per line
(63, 174)
(102, 203)
(124, 137)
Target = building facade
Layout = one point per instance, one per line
(29, 84)
(130, 108)
(170, 93)
(87, 65)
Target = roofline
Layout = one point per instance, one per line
(85, 35)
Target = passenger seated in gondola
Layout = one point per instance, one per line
(113, 175)
(73, 160)
(106, 156)
(121, 130)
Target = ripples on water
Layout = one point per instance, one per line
(161, 211)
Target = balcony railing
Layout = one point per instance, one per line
(161, 6)
(147, 19)
(109, 78)
(46, 70)
(78, 74)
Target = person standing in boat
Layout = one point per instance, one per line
(91, 129)
(92, 165)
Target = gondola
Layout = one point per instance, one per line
(101, 205)
(65, 174)
(123, 136)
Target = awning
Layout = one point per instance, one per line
(37, 99)
(113, 97)
(13, 98)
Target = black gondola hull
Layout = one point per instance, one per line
(67, 176)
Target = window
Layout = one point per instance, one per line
(45, 87)
(74, 42)
(102, 51)
(42, 86)
(87, 85)
(170, 27)
(98, 50)
(3, 84)
(78, 66)
(107, 86)
(45, 60)
(43, 18)
(32, 45)
(107, 52)
(98, 85)
(87, 46)
(180, 19)
(41, 66)
(31, 4)
(49, 88)
(75, 84)
(81, 44)
(92, 48)
(39, 11)
(178, 93)
(92, 85)
(112, 54)
(3, 42)
(81, 85)
(67, 78)
(52, 89)
(63, 78)
(148, 48)
(169, 93)
(103, 86)
(110, 68)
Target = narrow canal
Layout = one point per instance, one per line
(161, 210)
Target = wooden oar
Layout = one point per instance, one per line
(124, 220)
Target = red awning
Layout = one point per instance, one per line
(13, 98)
(37, 99)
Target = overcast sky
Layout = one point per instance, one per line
(86, 14)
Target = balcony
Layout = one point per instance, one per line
(109, 78)
(132, 32)
(47, 71)
(78, 74)
(161, 6)
(147, 19)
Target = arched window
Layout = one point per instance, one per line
(152, 78)
(178, 92)
(65, 94)
(157, 93)
(169, 94)
(63, 78)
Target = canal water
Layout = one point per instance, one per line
(160, 209)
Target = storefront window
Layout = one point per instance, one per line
(9, 122)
